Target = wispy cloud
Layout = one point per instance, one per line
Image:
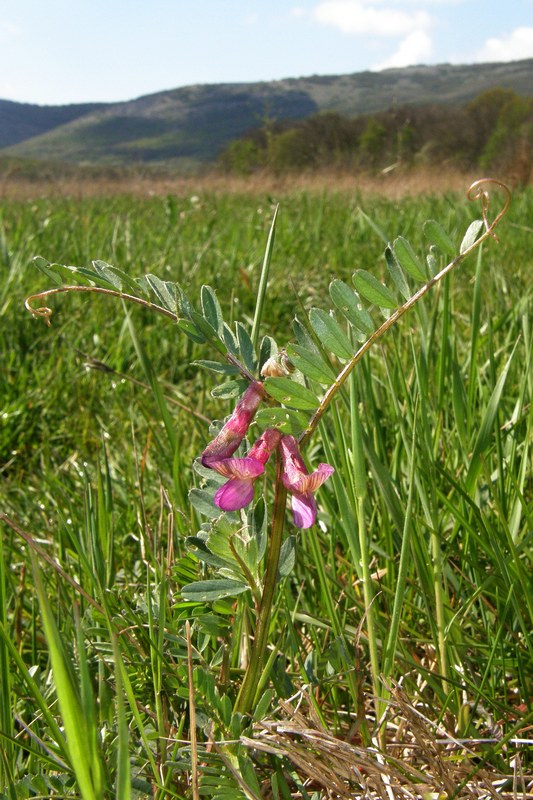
(416, 48)
(510, 47)
(360, 17)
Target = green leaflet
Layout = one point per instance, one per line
(115, 277)
(61, 274)
(396, 273)
(190, 330)
(286, 419)
(246, 347)
(349, 304)
(206, 591)
(292, 394)
(435, 234)
(207, 330)
(211, 309)
(164, 291)
(217, 366)
(202, 552)
(287, 557)
(230, 341)
(257, 518)
(374, 291)
(202, 501)
(267, 349)
(406, 257)
(471, 235)
(229, 389)
(263, 705)
(330, 333)
(310, 363)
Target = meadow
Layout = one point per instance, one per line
(396, 644)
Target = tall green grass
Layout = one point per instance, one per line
(419, 572)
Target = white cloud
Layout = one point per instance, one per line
(512, 47)
(416, 48)
(363, 17)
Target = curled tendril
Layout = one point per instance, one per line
(43, 313)
(479, 190)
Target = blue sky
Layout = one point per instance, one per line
(71, 51)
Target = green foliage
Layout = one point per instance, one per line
(493, 132)
(419, 568)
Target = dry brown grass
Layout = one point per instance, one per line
(421, 760)
(394, 184)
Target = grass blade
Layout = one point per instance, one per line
(81, 734)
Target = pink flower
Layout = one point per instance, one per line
(227, 441)
(238, 491)
(300, 482)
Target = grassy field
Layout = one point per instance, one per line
(399, 645)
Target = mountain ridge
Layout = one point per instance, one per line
(190, 125)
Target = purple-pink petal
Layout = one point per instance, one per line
(313, 481)
(244, 468)
(235, 494)
(303, 510)
(300, 482)
(238, 491)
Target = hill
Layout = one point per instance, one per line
(191, 125)
(21, 121)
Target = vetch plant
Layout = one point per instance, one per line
(260, 451)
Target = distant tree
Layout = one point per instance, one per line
(242, 156)
(372, 142)
(494, 131)
(291, 150)
(509, 146)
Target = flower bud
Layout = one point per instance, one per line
(227, 441)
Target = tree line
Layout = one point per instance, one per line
(492, 132)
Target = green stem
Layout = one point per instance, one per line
(247, 692)
(440, 610)
(368, 594)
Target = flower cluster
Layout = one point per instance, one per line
(241, 473)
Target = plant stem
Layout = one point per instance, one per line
(474, 193)
(440, 610)
(369, 595)
(247, 692)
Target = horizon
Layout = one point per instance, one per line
(114, 52)
(275, 80)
